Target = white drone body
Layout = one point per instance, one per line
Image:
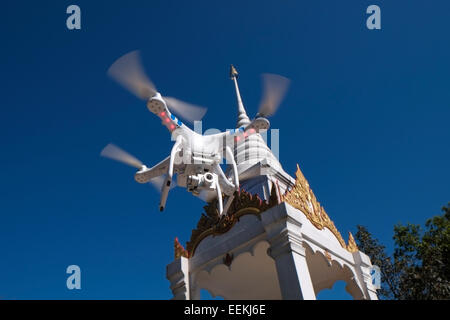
(198, 169)
(194, 158)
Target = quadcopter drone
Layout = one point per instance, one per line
(194, 158)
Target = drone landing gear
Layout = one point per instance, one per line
(168, 181)
(219, 197)
(230, 199)
(165, 193)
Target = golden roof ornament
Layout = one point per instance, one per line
(233, 72)
(302, 198)
(179, 250)
(352, 246)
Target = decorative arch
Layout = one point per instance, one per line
(325, 271)
(238, 280)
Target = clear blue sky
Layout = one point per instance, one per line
(366, 117)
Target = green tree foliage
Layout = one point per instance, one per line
(420, 266)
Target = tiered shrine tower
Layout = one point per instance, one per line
(275, 242)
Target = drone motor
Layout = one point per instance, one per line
(156, 104)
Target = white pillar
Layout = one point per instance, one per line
(178, 275)
(284, 235)
(362, 266)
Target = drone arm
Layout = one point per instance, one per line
(219, 197)
(257, 125)
(240, 134)
(168, 180)
(236, 179)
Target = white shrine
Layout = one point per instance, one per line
(275, 242)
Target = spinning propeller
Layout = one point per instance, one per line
(129, 72)
(274, 90)
(112, 151)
